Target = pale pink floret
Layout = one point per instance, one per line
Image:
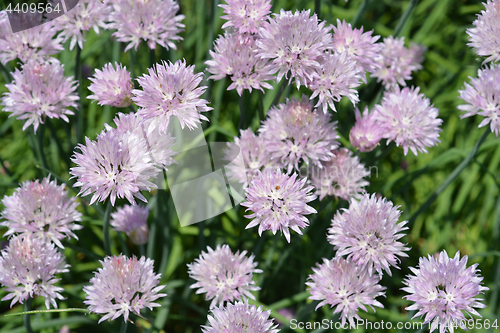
(245, 16)
(366, 133)
(132, 220)
(225, 277)
(122, 286)
(278, 202)
(368, 232)
(484, 38)
(345, 286)
(112, 86)
(483, 97)
(443, 289)
(38, 91)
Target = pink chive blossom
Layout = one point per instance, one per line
(234, 56)
(409, 119)
(337, 76)
(397, 62)
(154, 21)
(42, 209)
(278, 202)
(366, 133)
(28, 267)
(294, 132)
(253, 157)
(171, 89)
(36, 43)
(294, 42)
(346, 287)
(482, 97)
(368, 234)
(484, 38)
(224, 276)
(112, 86)
(362, 47)
(122, 286)
(116, 164)
(245, 16)
(443, 289)
(240, 317)
(40, 90)
(85, 15)
(132, 220)
(341, 177)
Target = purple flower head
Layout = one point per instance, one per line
(362, 47)
(224, 276)
(397, 62)
(42, 209)
(483, 97)
(234, 56)
(36, 43)
(240, 317)
(337, 76)
(171, 89)
(246, 16)
(132, 220)
(85, 15)
(484, 38)
(295, 43)
(278, 202)
(409, 119)
(112, 86)
(341, 177)
(368, 234)
(28, 267)
(254, 157)
(123, 285)
(117, 164)
(294, 133)
(38, 91)
(442, 289)
(154, 21)
(366, 133)
(344, 285)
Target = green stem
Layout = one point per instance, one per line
(5, 168)
(142, 250)
(260, 105)
(317, 8)
(5, 73)
(53, 134)
(451, 177)
(280, 92)
(242, 112)
(27, 317)
(123, 244)
(152, 57)
(105, 229)
(132, 109)
(123, 328)
(79, 113)
(40, 135)
(404, 18)
(358, 14)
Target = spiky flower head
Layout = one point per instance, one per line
(224, 276)
(132, 220)
(112, 86)
(294, 42)
(123, 285)
(397, 62)
(42, 209)
(245, 16)
(484, 38)
(443, 289)
(28, 267)
(368, 234)
(116, 164)
(341, 177)
(40, 90)
(366, 133)
(171, 89)
(483, 97)
(294, 132)
(278, 202)
(337, 76)
(344, 286)
(409, 119)
(234, 56)
(85, 15)
(154, 21)
(35, 44)
(362, 47)
(238, 318)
